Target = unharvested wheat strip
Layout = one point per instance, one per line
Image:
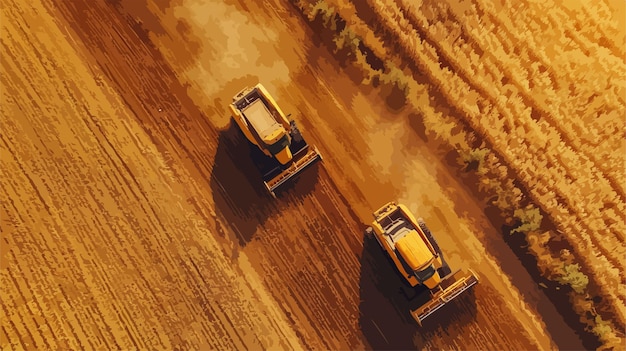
(479, 128)
(539, 51)
(448, 55)
(557, 120)
(494, 15)
(608, 65)
(529, 19)
(592, 12)
(556, 19)
(560, 15)
(601, 244)
(619, 234)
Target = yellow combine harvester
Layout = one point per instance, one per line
(265, 125)
(417, 256)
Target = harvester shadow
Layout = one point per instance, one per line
(384, 315)
(386, 300)
(238, 191)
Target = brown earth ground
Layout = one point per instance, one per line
(133, 218)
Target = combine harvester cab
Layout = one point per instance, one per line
(417, 256)
(265, 125)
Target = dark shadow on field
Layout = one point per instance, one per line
(238, 191)
(386, 300)
(384, 316)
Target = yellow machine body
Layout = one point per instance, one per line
(417, 257)
(265, 125)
